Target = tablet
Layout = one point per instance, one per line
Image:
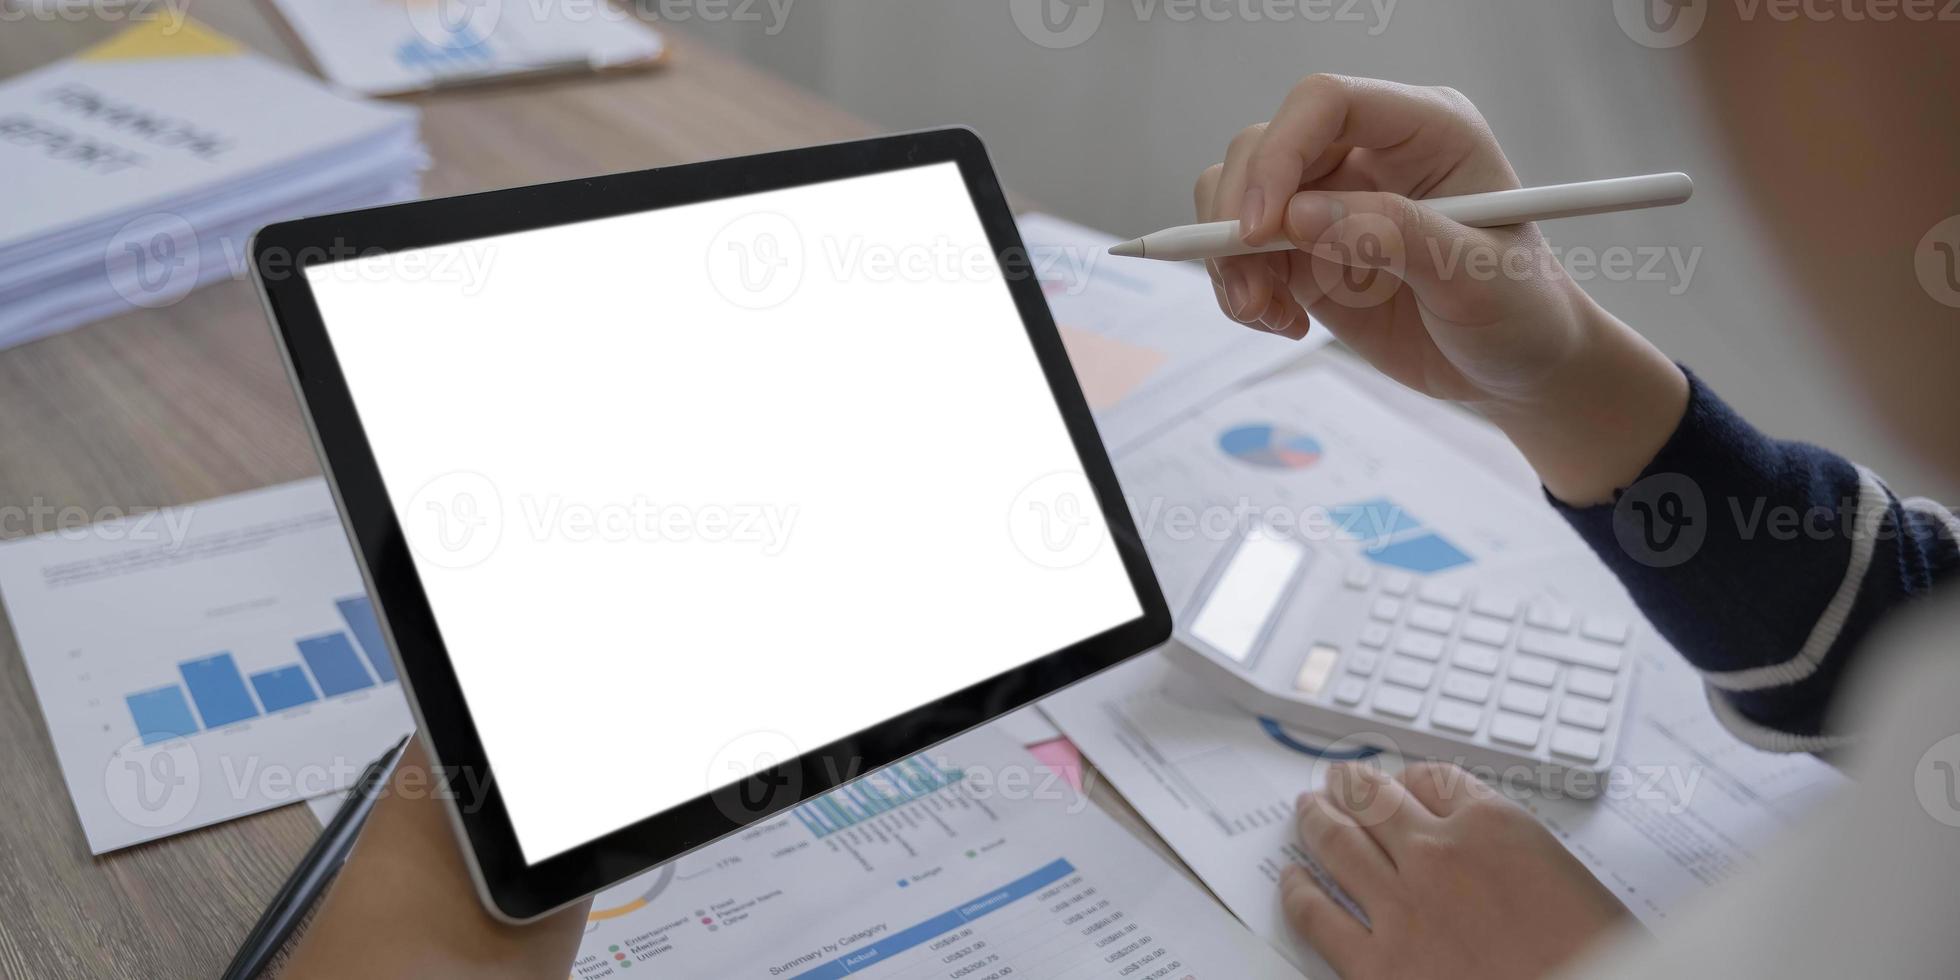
(690, 494)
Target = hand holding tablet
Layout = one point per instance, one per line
(689, 494)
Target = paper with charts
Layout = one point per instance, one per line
(1311, 450)
(1693, 808)
(203, 662)
(969, 862)
(1693, 805)
(1147, 339)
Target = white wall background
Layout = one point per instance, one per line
(1113, 131)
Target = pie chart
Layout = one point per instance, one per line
(1270, 447)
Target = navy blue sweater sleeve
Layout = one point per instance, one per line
(1764, 563)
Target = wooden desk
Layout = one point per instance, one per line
(189, 402)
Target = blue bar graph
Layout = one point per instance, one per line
(359, 614)
(161, 714)
(218, 689)
(882, 791)
(332, 660)
(221, 696)
(283, 687)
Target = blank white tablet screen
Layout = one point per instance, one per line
(695, 488)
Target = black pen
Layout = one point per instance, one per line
(316, 869)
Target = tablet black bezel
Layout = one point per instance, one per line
(520, 891)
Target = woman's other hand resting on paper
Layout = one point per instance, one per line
(1457, 881)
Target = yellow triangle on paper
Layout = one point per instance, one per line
(162, 37)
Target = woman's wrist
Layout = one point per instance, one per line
(1595, 424)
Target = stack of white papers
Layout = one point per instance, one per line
(139, 169)
(391, 47)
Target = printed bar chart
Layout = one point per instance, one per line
(283, 687)
(358, 611)
(161, 714)
(880, 792)
(218, 690)
(221, 695)
(332, 660)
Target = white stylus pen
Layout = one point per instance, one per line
(1217, 239)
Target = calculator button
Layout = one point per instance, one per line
(1496, 604)
(1488, 632)
(1606, 629)
(1397, 702)
(1591, 683)
(1515, 730)
(1432, 620)
(1533, 670)
(1585, 713)
(1385, 609)
(1483, 660)
(1550, 616)
(1441, 594)
(1374, 635)
(1572, 651)
(1363, 662)
(1525, 700)
(1359, 576)
(1420, 645)
(1349, 690)
(1316, 669)
(1456, 716)
(1467, 687)
(1576, 744)
(1397, 583)
(1410, 673)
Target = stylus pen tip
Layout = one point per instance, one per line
(1131, 249)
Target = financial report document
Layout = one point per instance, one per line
(1693, 804)
(968, 862)
(203, 662)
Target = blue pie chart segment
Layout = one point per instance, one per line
(1270, 447)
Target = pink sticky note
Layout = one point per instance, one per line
(1062, 758)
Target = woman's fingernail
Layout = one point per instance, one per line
(1308, 216)
(1303, 801)
(1237, 293)
(1292, 876)
(1250, 215)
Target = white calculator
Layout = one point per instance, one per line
(1445, 667)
